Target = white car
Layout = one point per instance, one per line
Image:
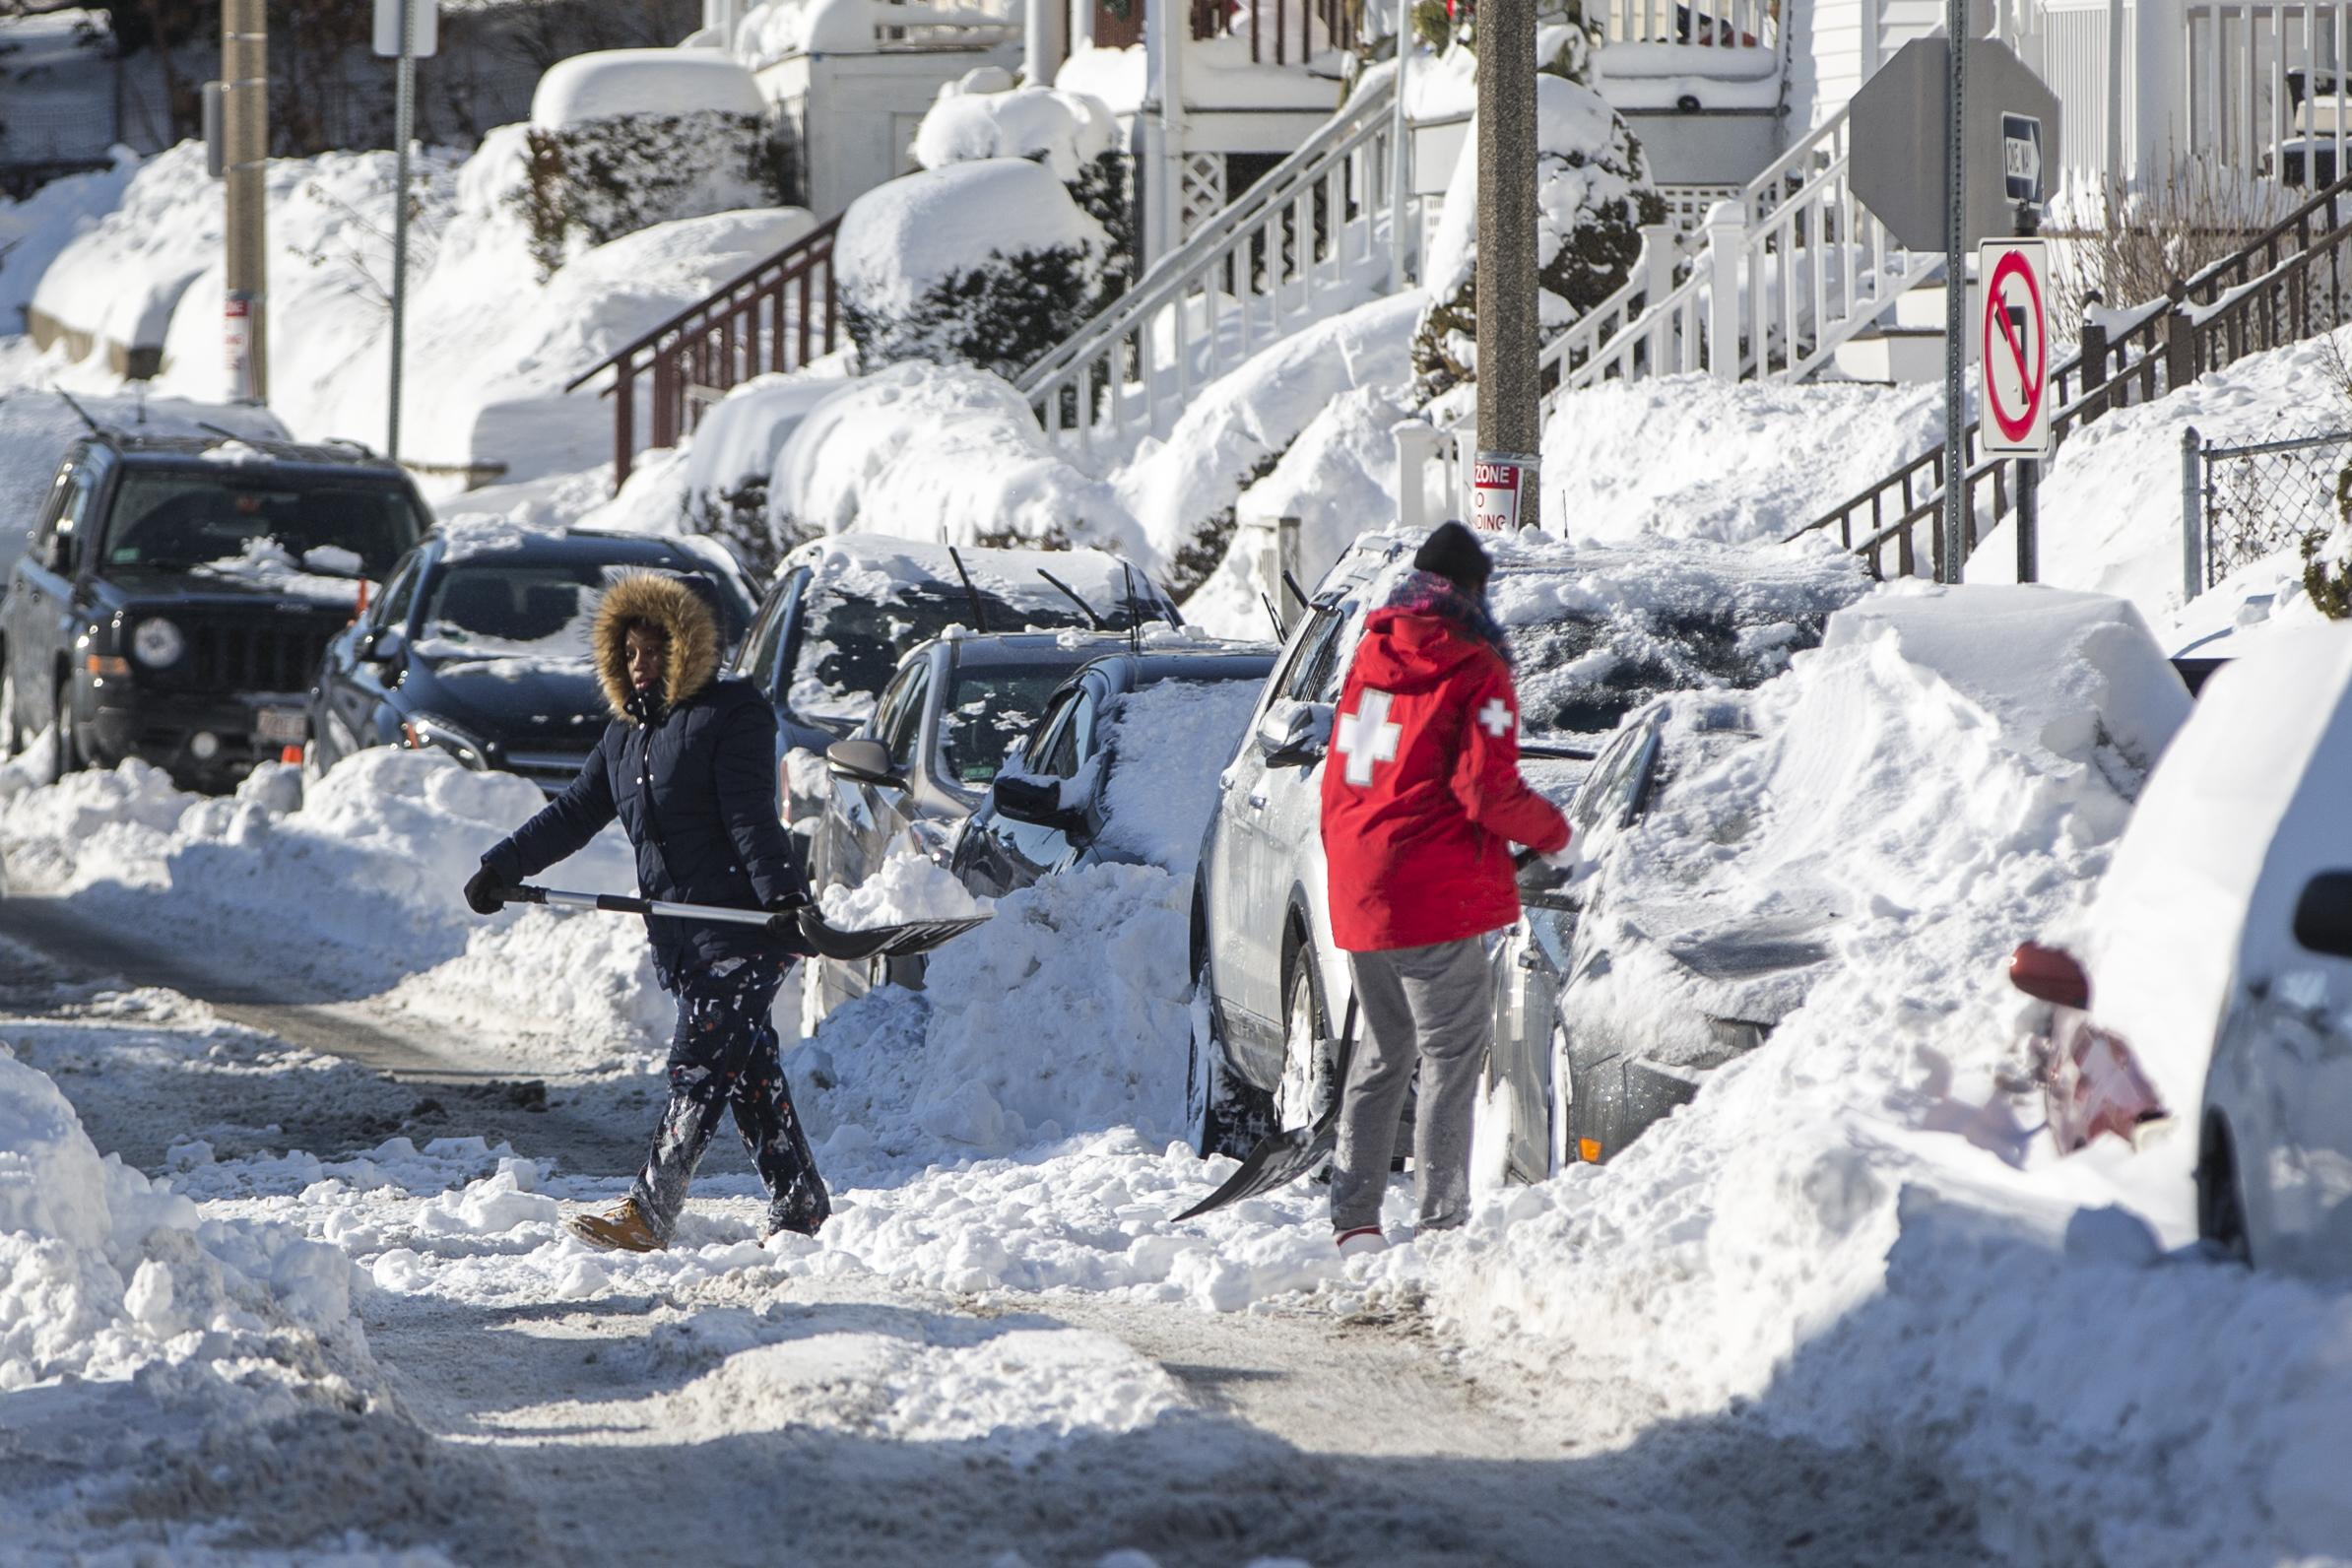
(2220, 949)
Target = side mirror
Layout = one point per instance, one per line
(2323, 914)
(384, 645)
(1035, 801)
(1293, 733)
(864, 760)
(2049, 974)
(61, 552)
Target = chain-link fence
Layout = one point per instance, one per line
(2269, 496)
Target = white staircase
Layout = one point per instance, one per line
(1315, 236)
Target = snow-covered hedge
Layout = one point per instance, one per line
(988, 264)
(1593, 195)
(592, 182)
(1073, 134)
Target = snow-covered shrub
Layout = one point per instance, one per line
(1593, 195)
(2327, 557)
(597, 181)
(988, 264)
(1071, 133)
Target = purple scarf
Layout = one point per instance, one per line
(1425, 593)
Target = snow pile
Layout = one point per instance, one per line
(1765, 458)
(610, 83)
(356, 887)
(907, 888)
(1118, 79)
(1065, 131)
(1168, 743)
(33, 231)
(1065, 1013)
(956, 449)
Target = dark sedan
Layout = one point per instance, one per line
(478, 647)
(1121, 766)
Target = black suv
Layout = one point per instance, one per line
(177, 593)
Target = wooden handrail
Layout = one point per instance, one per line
(745, 327)
(2230, 308)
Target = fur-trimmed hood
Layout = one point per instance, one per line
(667, 602)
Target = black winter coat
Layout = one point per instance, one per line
(695, 791)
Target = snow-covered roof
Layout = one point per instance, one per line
(609, 82)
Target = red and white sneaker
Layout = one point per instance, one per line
(1363, 1239)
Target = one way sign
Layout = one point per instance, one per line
(2021, 157)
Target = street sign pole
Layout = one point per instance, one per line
(403, 115)
(2029, 469)
(1955, 287)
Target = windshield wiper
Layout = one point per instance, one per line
(1558, 754)
(1071, 593)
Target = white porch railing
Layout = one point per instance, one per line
(1309, 239)
(1708, 24)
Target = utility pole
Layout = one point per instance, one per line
(245, 131)
(403, 131)
(1955, 288)
(1510, 415)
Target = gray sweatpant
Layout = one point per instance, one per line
(1435, 1004)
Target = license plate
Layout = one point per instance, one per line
(283, 726)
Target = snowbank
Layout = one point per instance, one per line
(607, 83)
(33, 231)
(921, 448)
(1063, 131)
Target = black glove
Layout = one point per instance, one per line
(486, 892)
(784, 918)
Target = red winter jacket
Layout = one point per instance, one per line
(1422, 793)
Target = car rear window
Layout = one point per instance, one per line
(176, 521)
(850, 645)
(484, 607)
(987, 712)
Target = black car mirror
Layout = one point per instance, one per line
(61, 552)
(864, 760)
(2323, 914)
(384, 645)
(1035, 801)
(1293, 733)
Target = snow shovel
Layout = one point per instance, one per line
(831, 942)
(1281, 1159)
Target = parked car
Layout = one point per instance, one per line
(478, 647)
(910, 774)
(844, 609)
(1122, 766)
(1597, 634)
(2206, 1012)
(178, 592)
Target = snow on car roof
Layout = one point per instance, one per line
(2248, 803)
(880, 566)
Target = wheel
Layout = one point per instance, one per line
(2220, 1205)
(1310, 1079)
(65, 757)
(1223, 1115)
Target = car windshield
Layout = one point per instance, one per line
(851, 645)
(178, 521)
(987, 712)
(545, 609)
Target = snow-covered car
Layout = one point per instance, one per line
(478, 647)
(178, 592)
(1123, 765)
(844, 609)
(1597, 633)
(905, 781)
(2215, 969)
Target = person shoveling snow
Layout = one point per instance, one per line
(1421, 803)
(687, 766)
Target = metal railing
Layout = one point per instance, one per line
(2291, 282)
(1322, 25)
(1309, 238)
(777, 315)
(1707, 24)
(2268, 496)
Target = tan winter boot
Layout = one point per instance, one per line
(620, 1228)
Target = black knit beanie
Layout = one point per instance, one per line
(1452, 551)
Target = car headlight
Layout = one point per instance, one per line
(431, 730)
(157, 642)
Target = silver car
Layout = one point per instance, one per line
(1597, 634)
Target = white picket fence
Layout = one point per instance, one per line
(1311, 239)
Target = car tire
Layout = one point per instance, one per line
(2220, 1202)
(1222, 1114)
(65, 758)
(1310, 1078)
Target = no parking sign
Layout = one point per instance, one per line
(2014, 363)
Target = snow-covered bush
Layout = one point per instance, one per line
(1593, 195)
(626, 138)
(1071, 133)
(988, 264)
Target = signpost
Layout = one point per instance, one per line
(1925, 131)
(406, 29)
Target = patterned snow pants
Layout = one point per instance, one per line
(725, 1055)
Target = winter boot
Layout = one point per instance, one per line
(1363, 1239)
(620, 1228)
